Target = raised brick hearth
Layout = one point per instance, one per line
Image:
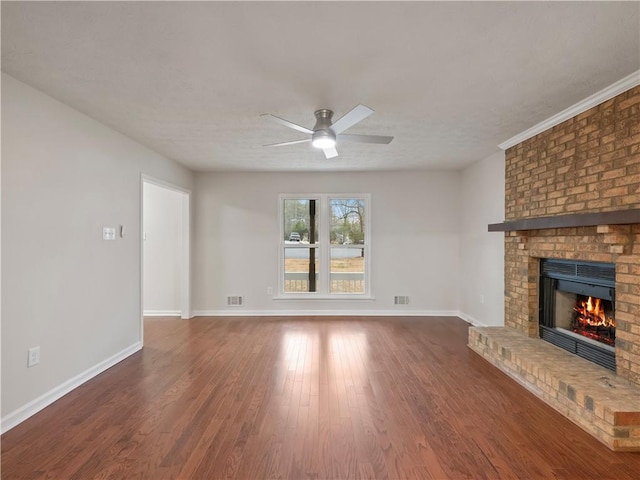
(587, 164)
(593, 397)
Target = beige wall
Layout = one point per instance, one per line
(64, 177)
(162, 244)
(482, 252)
(414, 234)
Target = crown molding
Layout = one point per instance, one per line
(597, 98)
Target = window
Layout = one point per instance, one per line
(324, 245)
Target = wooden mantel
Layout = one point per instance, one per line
(618, 217)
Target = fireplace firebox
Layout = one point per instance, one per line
(577, 308)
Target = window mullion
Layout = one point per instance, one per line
(324, 245)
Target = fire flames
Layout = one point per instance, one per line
(592, 313)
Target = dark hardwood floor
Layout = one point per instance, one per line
(307, 398)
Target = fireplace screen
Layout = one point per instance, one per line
(577, 302)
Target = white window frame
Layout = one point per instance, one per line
(323, 247)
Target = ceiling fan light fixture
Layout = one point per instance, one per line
(325, 132)
(323, 139)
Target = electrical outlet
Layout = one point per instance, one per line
(269, 290)
(482, 299)
(33, 357)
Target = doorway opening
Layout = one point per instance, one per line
(165, 250)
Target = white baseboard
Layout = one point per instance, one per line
(162, 313)
(323, 313)
(469, 319)
(21, 414)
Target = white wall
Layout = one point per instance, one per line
(415, 221)
(162, 268)
(64, 177)
(482, 252)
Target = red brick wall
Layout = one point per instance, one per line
(589, 163)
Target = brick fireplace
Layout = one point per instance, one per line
(573, 192)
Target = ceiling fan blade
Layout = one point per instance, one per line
(330, 152)
(365, 138)
(282, 144)
(350, 118)
(287, 123)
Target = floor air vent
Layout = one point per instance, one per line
(401, 300)
(235, 301)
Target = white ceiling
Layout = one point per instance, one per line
(449, 80)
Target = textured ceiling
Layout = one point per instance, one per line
(449, 80)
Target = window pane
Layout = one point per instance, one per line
(347, 270)
(297, 263)
(347, 221)
(300, 221)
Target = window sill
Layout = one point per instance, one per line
(307, 297)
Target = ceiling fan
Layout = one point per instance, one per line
(326, 133)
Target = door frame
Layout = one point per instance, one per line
(185, 254)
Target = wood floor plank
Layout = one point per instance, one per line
(305, 398)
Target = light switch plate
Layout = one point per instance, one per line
(108, 233)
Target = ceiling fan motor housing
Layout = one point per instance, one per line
(323, 119)
(322, 133)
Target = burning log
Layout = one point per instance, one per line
(592, 322)
(590, 312)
